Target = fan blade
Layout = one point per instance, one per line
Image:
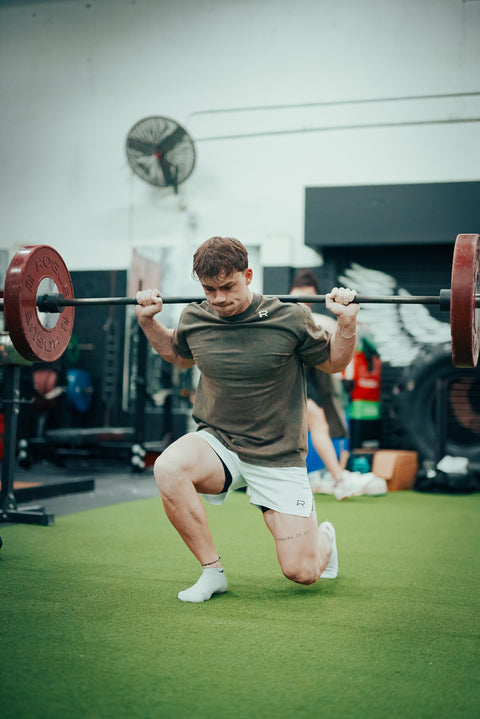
(169, 171)
(170, 141)
(146, 148)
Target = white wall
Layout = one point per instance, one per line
(76, 75)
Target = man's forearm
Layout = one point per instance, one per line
(161, 339)
(342, 347)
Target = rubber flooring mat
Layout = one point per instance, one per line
(26, 491)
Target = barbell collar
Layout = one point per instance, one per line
(445, 299)
(54, 302)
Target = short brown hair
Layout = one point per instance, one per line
(305, 278)
(219, 256)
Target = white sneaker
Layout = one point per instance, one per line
(352, 485)
(321, 482)
(331, 571)
(375, 486)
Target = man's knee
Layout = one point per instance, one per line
(168, 473)
(189, 461)
(301, 574)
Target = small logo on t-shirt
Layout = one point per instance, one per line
(300, 502)
(263, 313)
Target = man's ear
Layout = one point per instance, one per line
(248, 275)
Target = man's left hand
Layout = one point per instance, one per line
(340, 301)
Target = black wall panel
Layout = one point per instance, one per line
(410, 214)
(94, 328)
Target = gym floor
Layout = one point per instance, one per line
(112, 484)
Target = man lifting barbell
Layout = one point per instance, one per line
(251, 351)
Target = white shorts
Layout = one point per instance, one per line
(284, 489)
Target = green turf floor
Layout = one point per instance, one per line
(90, 626)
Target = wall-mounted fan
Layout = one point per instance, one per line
(160, 151)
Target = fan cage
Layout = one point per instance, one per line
(160, 151)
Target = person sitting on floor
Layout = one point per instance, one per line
(326, 415)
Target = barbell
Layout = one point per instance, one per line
(39, 303)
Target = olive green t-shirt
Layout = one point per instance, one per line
(251, 394)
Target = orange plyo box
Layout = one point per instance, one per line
(398, 467)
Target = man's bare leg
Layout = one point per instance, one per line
(304, 549)
(186, 468)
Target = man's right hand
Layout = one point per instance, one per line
(149, 303)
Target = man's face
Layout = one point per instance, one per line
(229, 294)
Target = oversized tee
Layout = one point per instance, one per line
(251, 393)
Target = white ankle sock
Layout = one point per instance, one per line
(212, 581)
(331, 571)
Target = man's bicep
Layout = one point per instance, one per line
(184, 358)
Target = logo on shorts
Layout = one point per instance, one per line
(300, 503)
(263, 313)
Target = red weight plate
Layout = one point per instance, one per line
(464, 316)
(33, 340)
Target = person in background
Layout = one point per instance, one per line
(326, 414)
